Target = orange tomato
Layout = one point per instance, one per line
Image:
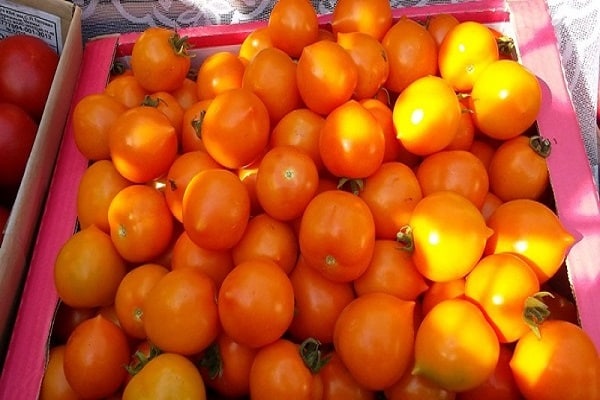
(54, 384)
(191, 126)
(254, 42)
(293, 25)
(373, 17)
(417, 387)
(219, 72)
(127, 90)
(439, 25)
(439, 291)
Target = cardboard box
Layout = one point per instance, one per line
(575, 193)
(60, 22)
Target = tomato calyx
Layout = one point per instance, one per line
(541, 145)
(180, 45)
(117, 68)
(197, 124)
(312, 356)
(150, 101)
(535, 311)
(355, 185)
(212, 361)
(141, 358)
(405, 238)
(506, 46)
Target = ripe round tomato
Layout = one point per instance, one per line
(501, 284)
(439, 25)
(427, 115)
(326, 76)
(371, 61)
(286, 181)
(439, 291)
(17, 134)
(167, 104)
(54, 384)
(374, 337)
(337, 235)
(98, 185)
(293, 25)
(457, 170)
(143, 144)
(256, 303)
(394, 151)
(412, 53)
(180, 311)
(191, 126)
(66, 319)
(561, 363)
(88, 269)
(27, 68)
(532, 230)
(467, 49)
(318, 303)
(166, 375)
(463, 140)
(236, 127)
(130, 296)
(92, 118)
(127, 90)
(216, 209)
(141, 224)
(518, 168)
(351, 144)
(391, 271)
(417, 387)
(219, 72)
(186, 94)
(373, 17)
(490, 203)
(254, 42)
(339, 384)
(449, 236)
(159, 59)
(505, 99)
(446, 352)
(271, 75)
(94, 358)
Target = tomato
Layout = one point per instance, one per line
(94, 358)
(326, 76)
(236, 127)
(427, 115)
(88, 269)
(286, 181)
(412, 53)
(98, 185)
(92, 118)
(271, 75)
(127, 90)
(484, 150)
(215, 263)
(439, 291)
(219, 72)
(256, 303)
(130, 296)
(179, 175)
(27, 68)
(17, 134)
(293, 25)
(505, 99)
(383, 114)
(318, 303)
(351, 144)
(518, 168)
(449, 236)
(143, 144)
(254, 42)
(464, 137)
(168, 375)
(191, 126)
(561, 363)
(467, 49)
(500, 385)
(279, 371)
(54, 384)
(391, 271)
(445, 350)
(66, 319)
(225, 367)
(337, 235)
(439, 25)
(301, 128)
(339, 384)
(267, 238)
(159, 59)
(532, 230)
(186, 94)
(216, 209)
(374, 337)
(371, 60)
(373, 17)
(417, 387)
(247, 175)
(490, 203)
(457, 170)
(180, 311)
(502, 284)
(141, 224)
(167, 104)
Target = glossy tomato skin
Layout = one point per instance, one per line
(27, 68)
(293, 25)
(167, 376)
(337, 235)
(373, 17)
(17, 134)
(339, 384)
(54, 384)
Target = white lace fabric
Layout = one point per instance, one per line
(576, 23)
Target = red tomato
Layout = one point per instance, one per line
(17, 134)
(27, 68)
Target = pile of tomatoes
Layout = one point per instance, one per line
(352, 211)
(27, 68)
